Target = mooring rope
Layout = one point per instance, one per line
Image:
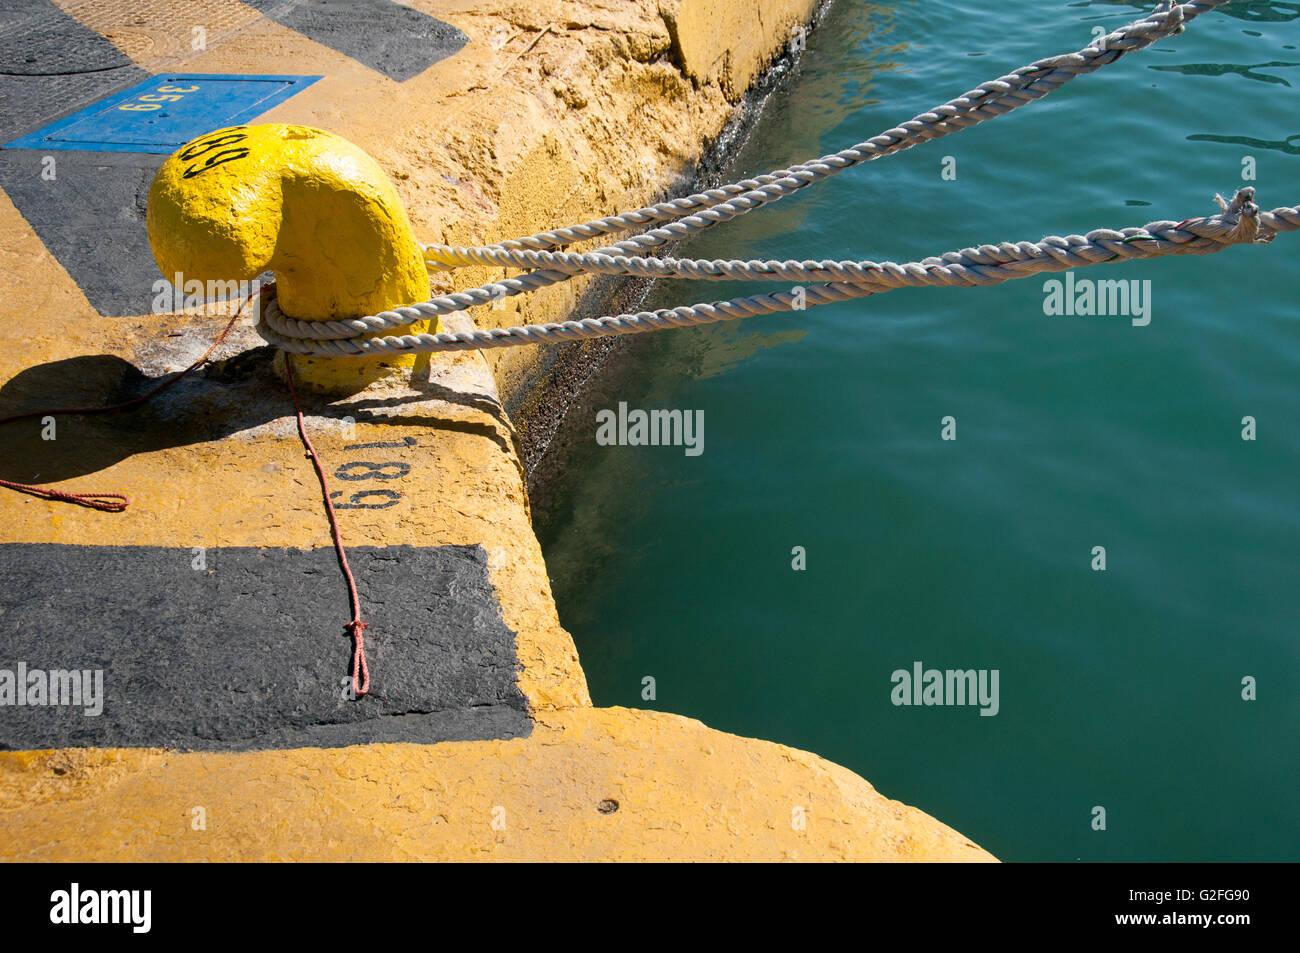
(1240, 222)
(1207, 231)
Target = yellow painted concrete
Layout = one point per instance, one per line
(684, 792)
(158, 34)
(557, 111)
(729, 44)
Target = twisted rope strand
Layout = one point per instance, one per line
(860, 272)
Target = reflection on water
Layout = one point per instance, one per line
(725, 352)
(1264, 11)
(860, 44)
(1289, 145)
(1221, 69)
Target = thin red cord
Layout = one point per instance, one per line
(360, 671)
(101, 501)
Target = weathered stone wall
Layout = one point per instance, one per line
(604, 107)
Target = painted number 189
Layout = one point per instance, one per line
(154, 100)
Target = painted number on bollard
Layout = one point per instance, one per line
(368, 470)
(214, 159)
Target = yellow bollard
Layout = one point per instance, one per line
(309, 205)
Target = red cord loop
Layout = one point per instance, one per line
(104, 502)
(359, 667)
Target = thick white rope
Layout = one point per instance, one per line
(692, 214)
(860, 272)
(1238, 222)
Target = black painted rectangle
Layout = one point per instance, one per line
(388, 37)
(248, 650)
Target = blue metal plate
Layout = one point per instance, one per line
(165, 112)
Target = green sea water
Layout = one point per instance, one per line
(1119, 689)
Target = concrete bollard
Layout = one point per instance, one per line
(310, 206)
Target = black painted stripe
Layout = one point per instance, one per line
(91, 217)
(387, 37)
(51, 65)
(250, 652)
